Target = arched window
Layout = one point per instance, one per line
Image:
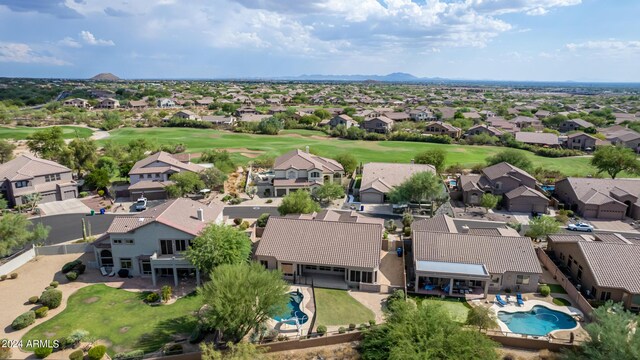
(106, 258)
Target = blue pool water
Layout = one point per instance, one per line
(548, 188)
(293, 310)
(539, 321)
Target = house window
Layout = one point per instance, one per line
(495, 279)
(21, 184)
(579, 276)
(117, 241)
(324, 268)
(523, 279)
(128, 241)
(125, 263)
(181, 245)
(570, 261)
(498, 186)
(264, 263)
(315, 174)
(146, 267)
(605, 295)
(291, 175)
(166, 247)
(354, 276)
(335, 269)
(367, 277)
(310, 267)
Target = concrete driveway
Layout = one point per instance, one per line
(71, 206)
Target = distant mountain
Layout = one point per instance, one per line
(398, 76)
(105, 77)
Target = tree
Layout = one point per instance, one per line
(329, 191)
(81, 155)
(188, 182)
(489, 201)
(542, 226)
(240, 351)
(514, 157)
(435, 157)
(213, 178)
(420, 187)
(322, 114)
(33, 199)
(6, 151)
(270, 126)
(239, 297)
(348, 162)
(614, 159)
(98, 179)
(220, 158)
(3, 203)
(612, 335)
(109, 164)
(217, 245)
(15, 232)
(298, 202)
(482, 317)
(47, 143)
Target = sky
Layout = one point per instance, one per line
(538, 40)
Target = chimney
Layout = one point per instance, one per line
(201, 214)
(464, 229)
(307, 148)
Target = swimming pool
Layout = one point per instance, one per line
(539, 321)
(293, 310)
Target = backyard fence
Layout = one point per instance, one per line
(17, 260)
(528, 342)
(64, 249)
(315, 308)
(562, 279)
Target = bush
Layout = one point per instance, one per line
(3, 277)
(262, 220)
(70, 266)
(83, 194)
(372, 322)
(269, 201)
(352, 327)
(545, 290)
(80, 269)
(342, 330)
(42, 352)
(74, 339)
(153, 297)
(196, 335)
(406, 231)
(41, 312)
(14, 275)
(71, 275)
(244, 226)
(76, 355)
(51, 298)
(24, 320)
(235, 201)
(321, 330)
(237, 221)
(54, 284)
(166, 293)
(97, 352)
(362, 327)
(131, 355)
(5, 351)
(33, 299)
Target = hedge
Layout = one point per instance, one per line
(51, 298)
(97, 352)
(72, 275)
(54, 284)
(24, 320)
(41, 312)
(131, 355)
(33, 299)
(43, 352)
(70, 266)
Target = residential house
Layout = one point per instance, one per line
(205, 101)
(299, 169)
(448, 113)
(541, 114)
(379, 124)
(605, 199)
(422, 115)
(523, 122)
(108, 103)
(342, 119)
(398, 116)
(623, 137)
(538, 138)
(137, 104)
(150, 176)
(574, 124)
(246, 110)
(483, 129)
(517, 187)
(581, 141)
(27, 174)
(77, 102)
(254, 117)
(165, 103)
(442, 128)
(602, 266)
(220, 120)
(152, 243)
(186, 115)
(501, 124)
(378, 179)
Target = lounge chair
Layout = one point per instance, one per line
(103, 271)
(113, 273)
(519, 299)
(500, 301)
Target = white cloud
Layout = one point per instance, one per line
(90, 39)
(23, 53)
(69, 42)
(610, 45)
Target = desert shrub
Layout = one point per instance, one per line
(237, 221)
(42, 352)
(406, 231)
(352, 327)
(545, 290)
(397, 295)
(97, 352)
(269, 201)
(73, 339)
(321, 330)
(3, 277)
(166, 293)
(235, 201)
(76, 355)
(131, 355)
(33, 299)
(54, 284)
(14, 275)
(5, 351)
(83, 194)
(70, 266)
(283, 338)
(51, 298)
(262, 220)
(41, 312)
(362, 327)
(372, 322)
(244, 226)
(23, 320)
(80, 269)
(342, 330)
(152, 297)
(71, 275)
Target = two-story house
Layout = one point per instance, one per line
(516, 186)
(442, 128)
(186, 115)
(151, 244)
(299, 169)
(574, 124)
(27, 174)
(422, 115)
(77, 102)
(150, 176)
(483, 129)
(108, 103)
(165, 103)
(379, 124)
(581, 141)
(342, 119)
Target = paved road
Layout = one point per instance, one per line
(68, 227)
(248, 212)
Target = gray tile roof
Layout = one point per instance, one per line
(302, 160)
(440, 223)
(524, 191)
(585, 189)
(613, 265)
(498, 253)
(537, 138)
(25, 167)
(384, 176)
(315, 242)
(143, 166)
(505, 169)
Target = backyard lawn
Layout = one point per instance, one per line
(556, 288)
(198, 140)
(337, 307)
(21, 132)
(458, 309)
(121, 318)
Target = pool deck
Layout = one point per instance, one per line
(306, 306)
(512, 307)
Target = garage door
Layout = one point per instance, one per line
(150, 195)
(610, 214)
(371, 198)
(48, 197)
(69, 194)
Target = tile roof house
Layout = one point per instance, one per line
(607, 199)
(379, 124)
(604, 266)
(151, 243)
(150, 176)
(299, 169)
(581, 141)
(339, 253)
(525, 122)
(220, 120)
(483, 129)
(379, 178)
(165, 103)
(625, 137)
(137, 104)
(442, 128)
(108, 103)
(342, 119)
(538, 138)
(574, 124)
(186, 115)
(77, 102)
(27, 174)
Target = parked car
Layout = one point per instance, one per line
(580, 227)
(141, 204)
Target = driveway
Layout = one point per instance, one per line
(71, 206)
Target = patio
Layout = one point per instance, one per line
(469, 281)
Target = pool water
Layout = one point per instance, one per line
(539, 321)
(293, 310)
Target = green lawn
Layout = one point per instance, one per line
(337, 307)
(561, 302)
(21, 132)
(121, 318)
(457, 308)
(556, 288)
(198, 140)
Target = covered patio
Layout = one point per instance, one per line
(470, 281)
